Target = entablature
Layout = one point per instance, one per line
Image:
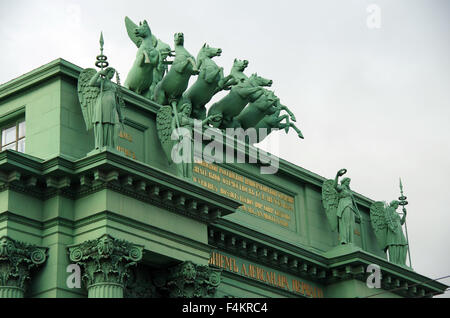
(316, 267)
(108, 170)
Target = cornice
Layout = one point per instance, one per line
(106, 170)
(230, 229)
(270, 252)
(56, 67)
(101, 216)
(397, 279)
(242, 242)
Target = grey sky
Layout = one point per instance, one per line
(375, 101)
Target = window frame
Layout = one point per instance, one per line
(15, 123)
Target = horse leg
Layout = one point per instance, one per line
(159, 95)
(140, 59)
(210, 74)
(291, 114)
(284, 126)
(224, 83)
(299, 133)
(194, 65)
(179, 66)
(150, 93)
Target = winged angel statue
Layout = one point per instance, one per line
(387, 226)
(101, 104)
(340, 207)
(175, 134)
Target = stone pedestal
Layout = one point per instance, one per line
(105, 263)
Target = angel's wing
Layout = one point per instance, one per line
(330, 201)
(87, 95)
(379, 222)
(164, 129)
(391, 224)
(131, 26)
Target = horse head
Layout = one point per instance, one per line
(164, 49)
(210, 52)
(260, 81)
(207, 52)
(179, 38)
(240, 65)
(271, 97)
(143, 30)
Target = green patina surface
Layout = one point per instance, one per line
(57, 195)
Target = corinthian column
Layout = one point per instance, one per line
(105, 263)
(16, 261)
(189, 280)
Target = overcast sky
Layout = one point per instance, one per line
(373, 100)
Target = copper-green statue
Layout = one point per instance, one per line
(174, 130)
(209, 81)
(140, 76)
(161, 69)
(255, 111)
(100, 105)
(101, 101)
(172, 86)
(237, 71)
(387, 225)
(340, 207)
(273, 121)
(249, 90)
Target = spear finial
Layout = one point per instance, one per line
(401, 186)
(101, 42)
(402, 198)
(101, 59)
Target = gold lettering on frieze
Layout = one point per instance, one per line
(126, 136)
(270, 277)
(127, 152)
(258, 199)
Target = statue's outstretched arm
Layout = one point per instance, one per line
(95, 80)
(336, 183)
(340, 173)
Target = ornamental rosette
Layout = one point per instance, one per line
(17, 259)
(106, 259)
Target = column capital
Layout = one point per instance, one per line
(17, 259)
(105, 260)
(189, 280)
